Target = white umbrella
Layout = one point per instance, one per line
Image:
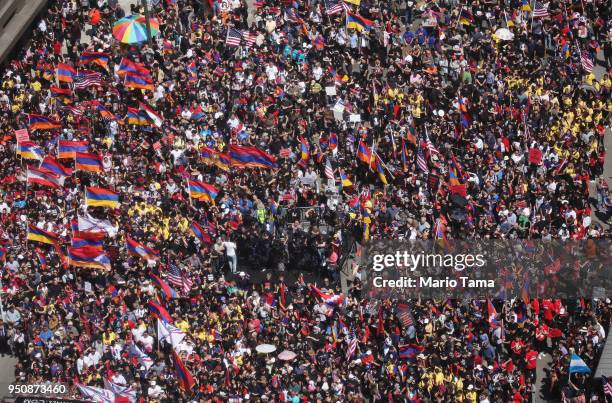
(265, 348)
(286, 355)
(504, 34)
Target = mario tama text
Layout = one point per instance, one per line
(483, 268)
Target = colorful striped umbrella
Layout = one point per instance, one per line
(133, 29)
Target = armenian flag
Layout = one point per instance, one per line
(333, 141)
(133, 81)
(100, 197)
(223, 162)
(186, 381)
(199, 233)
(207, 155)
(202, 191)
(64, 94)
(380, 170)
(364, 154)
(344, 179)
(358, 22)
(87, 162)
(105, 113)
(159, 311)
(250, 157)
(42, 260)
(137, 249)
(2, 254)
(465, 17)
(466, 118)
(89, 257)
(304, 150)
(135, 117)
(69, 148)
(65, 72)
(42, 236)
(126, 66)
(355, 204)
(36, 176)
(78, 242)
(409, 351)
(99, 58)
(404, 156)
(29, 151)
(39, 122)
(165, 288)
(454, 172)
(330, 299)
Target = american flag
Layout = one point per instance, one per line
(333, 7)
(178, 278)
(75, 110)
(352, 346)
(329, 171)
(607, 385)
(540, 10)
(430, 146)
(249, 38)
(293, 16)
(86, 79)
(421, 163)
(233, 37)
(586, 62)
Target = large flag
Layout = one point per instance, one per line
(97, 395)
(87, 78)
(65, 73)
(202, 191)
(50, 165)
(138, 249)
(121, 391)
(142, 358)
(358, 22)
(329, 299)
(89, 257)
(105, 113)
(99, 58)
(30, 151)
(540, 10)
(577, 365)
(169, 333)
(69, 148)
(137, 117)
(39, 122)
(100, 197)
(40, 235)
(250, 157)
(168, 291)
(409, 351)
(234, 36)
(199, 233)
(87, 162)
(185, 378)
(179, 278)
(134, 81)
(38, 177)
(96, 242)
(127, 66)
(90, 224)
(157, 310)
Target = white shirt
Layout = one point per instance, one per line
(230, 248)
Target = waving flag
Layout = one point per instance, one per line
(199, 233)
(133, 81)
(94, 242)
(329, 170)
(65, 73)
(179, 278)
(100, 197)
(127, 66)
(454, 172)
(138, 249)
(540, 10)
(586, 62)
(577, 365)
(346, 182)
(153, 116)
(358, 22)
(170, 333)
(465, 16)
(157, 310)
(329, 299)
(64, 94)
(304, 150)
(136, 117)
(86, 79)
(50, 165)
(30, 151)
(105, 113)
(69, 148)
(380, 170)
(202, 191)
(492, 315)
(208, 155)
(334, 7)
(39, 122)
(142, 358)
(250, 157)
(87, 162)
(168, 291)
(185, 378)
(409, 351)
(233, 37)
(97, 395)
(99, 58)
(40, 235)
(123, 394)
(89, 257)
(36, 176)
(89, 224)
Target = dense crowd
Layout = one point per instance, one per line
(374, 120)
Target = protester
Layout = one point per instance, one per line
(157, 182)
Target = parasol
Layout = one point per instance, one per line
(133, 29)
(265, 348)
(504, 34)
(286, 355)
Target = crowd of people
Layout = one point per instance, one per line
(176, 214)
